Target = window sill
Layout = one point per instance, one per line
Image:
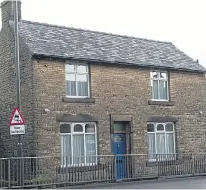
(78, 100)
(178, 159)
(163, 162)
(78, 168)
(161, 103)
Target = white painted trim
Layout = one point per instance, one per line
(160, 79)
(77, 97)
(80, 73)
(72, 124)
(163, 132)
(160, 100)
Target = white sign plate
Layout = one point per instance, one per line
(17, 129)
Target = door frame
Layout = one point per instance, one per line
(128, 120)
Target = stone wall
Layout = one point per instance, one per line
(118, 90)
(8, 86)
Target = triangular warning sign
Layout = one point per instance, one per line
(16, 118)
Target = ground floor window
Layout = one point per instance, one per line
(78, 144)
(161, 138)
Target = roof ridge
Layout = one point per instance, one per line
(105, 33)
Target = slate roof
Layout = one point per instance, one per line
(66, 42)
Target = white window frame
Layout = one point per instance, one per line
(76, 133)
(159, 79)
(75, 72)
(165, 132)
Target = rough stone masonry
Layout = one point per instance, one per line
(117, 91)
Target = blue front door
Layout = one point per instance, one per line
(119, 146)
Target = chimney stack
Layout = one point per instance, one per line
(7, 11)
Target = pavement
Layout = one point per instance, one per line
(175, 183)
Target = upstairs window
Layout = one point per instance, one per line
(159, 82)
(77, 79)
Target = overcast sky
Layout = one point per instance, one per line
(183, 22)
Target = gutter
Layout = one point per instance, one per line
(64, 58)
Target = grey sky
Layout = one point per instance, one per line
(180, 21)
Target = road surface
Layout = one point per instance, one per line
(179, 183)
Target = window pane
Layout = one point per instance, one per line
(70, 68)
(170, 145)
(155, 89)
(89, 128)
(151, 141)
(82, 78)
(163, 90)
(169, 127)
(90, 149)
(66, 150)
(82, 88)
(163, 75)
(71, 85)
(78, 128)
(150, 127)
(65, 128)
(81, 68)
(119, 126)
(82, 84)
(160, 145)
(70, 77)
(154, 74)
(160, 127)
(71, 88)
(78, 149)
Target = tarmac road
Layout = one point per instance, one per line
(178, 183)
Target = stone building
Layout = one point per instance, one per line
(83, 92)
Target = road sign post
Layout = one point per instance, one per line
(17, 127)
(18, 81)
